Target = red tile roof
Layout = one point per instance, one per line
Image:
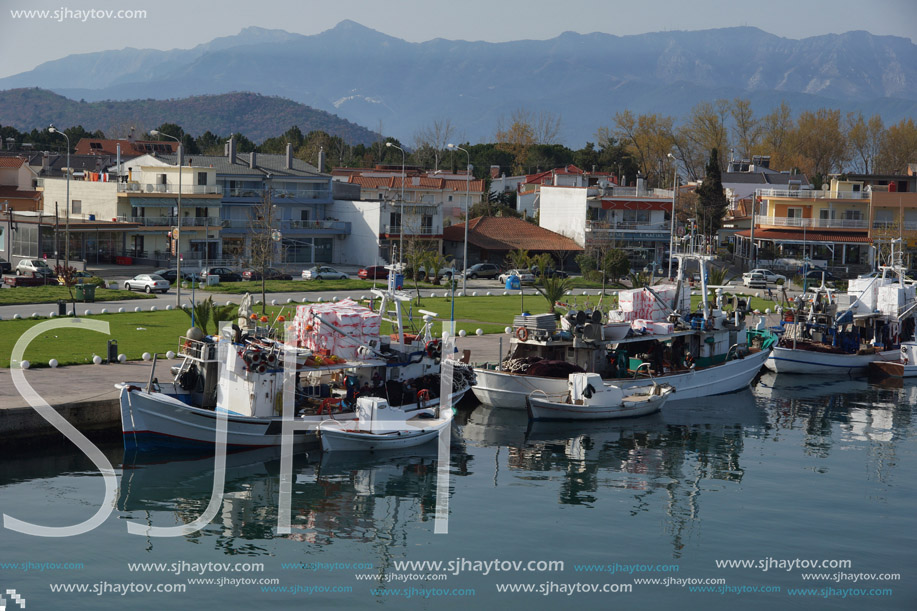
(11, 162)
(508, 233)
(416, 182)
(808, 236)
(135, 148)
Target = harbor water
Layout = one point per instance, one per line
(796, 494)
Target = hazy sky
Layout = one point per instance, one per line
(27, 42)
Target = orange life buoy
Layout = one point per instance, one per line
(522, 334)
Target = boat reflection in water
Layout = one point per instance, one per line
(334, 497)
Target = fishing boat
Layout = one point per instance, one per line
(828, 333)
(588, 398)
(332, 355)
(380, 426)
(698, 354)
(904, 367)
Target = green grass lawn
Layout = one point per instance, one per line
(159, 332)
(50, 294)
(300, 286)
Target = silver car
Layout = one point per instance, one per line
(147, 282)
(323, 272)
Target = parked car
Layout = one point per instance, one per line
(525, 276)
(550, 273)
(271, 273)
(768, 275)
(447, 273)
(33, 267)
(171, 275)
(5, 266)
(754, 280)
(373, 272)
(323, 272)
(149, 283)
(815, 275)
(225, 274)
(483, 270)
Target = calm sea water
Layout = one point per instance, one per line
(797, 470)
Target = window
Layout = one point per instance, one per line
(162, 179)
(304, 215)
(449, 199)
(794, 213)
(200, 212)
(395, 219)
(852, 215)
(825, 214)
(202, 178)
(76, 206)
(426, 222)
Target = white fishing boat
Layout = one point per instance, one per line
(588, 398)
(380, 426)
(242, 375)
(830, 333)
(904, 367)
(698, 354)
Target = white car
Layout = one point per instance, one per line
(769, 276)
(147, 282)
(34, 268)
(525, 276)
(323, 272)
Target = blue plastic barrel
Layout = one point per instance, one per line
(513, 283)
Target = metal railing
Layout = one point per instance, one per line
(396, 229)
(600, 226)
(170, 188)
(341, 226)
(895, 225)
(169, 221)
(784, 221)
(813, 194)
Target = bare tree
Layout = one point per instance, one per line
(263, 239)
(432, 139)
(746, 127)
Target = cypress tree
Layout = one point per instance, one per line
(711, 198)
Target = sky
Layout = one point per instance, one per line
(26, 42)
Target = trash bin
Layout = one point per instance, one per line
(80, 294)
(89, 292)
(513, 283)
(112, 351)
(61, 307)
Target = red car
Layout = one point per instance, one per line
(373, 272)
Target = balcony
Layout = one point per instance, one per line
(323, 226)
(172, 221)
(782, 221)
(609, 227)
(412, 231)
(171, 188)
(813, 194)
(895, 225)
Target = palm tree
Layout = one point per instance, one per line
(552, 289)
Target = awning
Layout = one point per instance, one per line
(807, 237)
(158, 202)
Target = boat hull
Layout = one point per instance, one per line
(542, 409)
(337, 439)
(157, 421)
(509, 391)
(892, 369)
(788, 360)
(151, 421)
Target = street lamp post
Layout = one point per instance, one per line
(178, 277)
(672, 230)
(401, 222)
(467, 220)
(54, 130)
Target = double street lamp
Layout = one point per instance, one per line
(54, 130)
(467, 220)
(401, 220)
(178, 276)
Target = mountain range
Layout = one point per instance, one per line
(376, 80)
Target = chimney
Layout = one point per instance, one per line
(231, 149)
(321, 159)
(289, 156)
(252, 160)
(495, 171)
(45, 161)
(641, 185)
